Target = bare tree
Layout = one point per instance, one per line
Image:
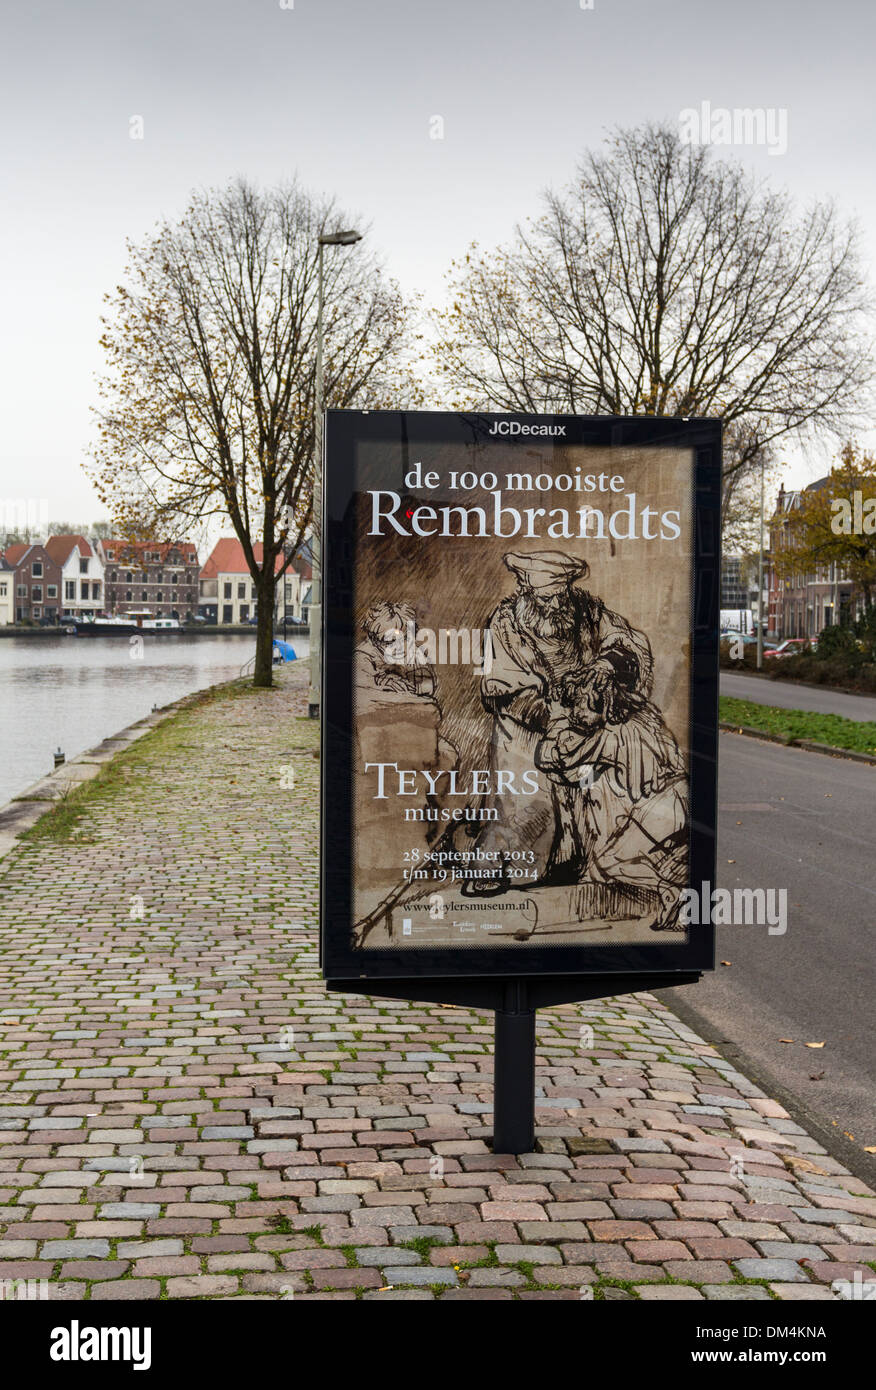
(667, 282)
(208, 399)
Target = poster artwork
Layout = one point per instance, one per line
(521, 696)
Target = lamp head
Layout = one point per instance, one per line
(346, 238)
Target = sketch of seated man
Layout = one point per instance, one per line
(388, 662)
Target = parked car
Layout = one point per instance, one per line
(792, 646)
(747, 639)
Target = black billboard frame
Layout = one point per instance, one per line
(343, 431)
(537, 977)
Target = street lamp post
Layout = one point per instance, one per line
(347, 238)
(760, 575)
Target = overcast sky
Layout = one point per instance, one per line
(343, 92)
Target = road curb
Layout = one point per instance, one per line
(808, 744)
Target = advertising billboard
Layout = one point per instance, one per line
(521, 621)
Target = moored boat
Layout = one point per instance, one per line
(125, 624)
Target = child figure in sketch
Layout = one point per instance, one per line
(569, 692)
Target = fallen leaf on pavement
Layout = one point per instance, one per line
(786, 1039)
(804, 1165)
(726, 962)
(821, 1044)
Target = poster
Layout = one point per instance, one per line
(511, 642)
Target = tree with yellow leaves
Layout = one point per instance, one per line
(835, 524)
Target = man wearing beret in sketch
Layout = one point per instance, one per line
(569, 691)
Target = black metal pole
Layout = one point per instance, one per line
(514, 1073)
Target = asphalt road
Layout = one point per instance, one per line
(787, 695)
(806, 822)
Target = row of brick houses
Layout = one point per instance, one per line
(161, 576)
(68, 577)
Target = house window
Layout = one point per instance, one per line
(159, 596)
(36, 569)
(110, 555)
(227, 594)
(128, 596)
(69, 588)
(95, 588)
(174, 579)
(144, 594)
(241, 591)
(226, 613)
(22, 591)
(83, 566)
(36, 593)
(113, 577)
(129, 579)
(52, 591)
(3, 590)
(84, 587)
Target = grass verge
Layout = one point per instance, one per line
(792, 725)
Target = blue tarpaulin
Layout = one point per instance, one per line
(283, 651)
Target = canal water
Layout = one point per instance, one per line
(71, 692)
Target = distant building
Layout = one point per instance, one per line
(37, 582)
(7, 593)
(161, 576)
(227, 591)
(801, 604)
(82, 590)
(734, 588)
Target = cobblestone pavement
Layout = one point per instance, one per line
(186, 1113)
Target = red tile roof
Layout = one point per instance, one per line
(60, 547)
(227, 557)
(16, 553)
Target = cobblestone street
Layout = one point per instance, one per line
(187, 1113)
